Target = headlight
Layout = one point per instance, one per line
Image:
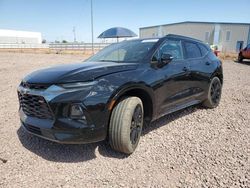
(78, 85)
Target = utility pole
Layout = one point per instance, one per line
(92, 27)
(74, 31)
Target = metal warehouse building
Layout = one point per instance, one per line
(19, 37)
(229, 37)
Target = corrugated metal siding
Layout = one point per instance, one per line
(238, 32)
(149, 32)
(14, 36)
(197, 31)
(18, 40)
(186, 29)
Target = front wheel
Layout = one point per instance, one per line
(214, 93)
(126, 125)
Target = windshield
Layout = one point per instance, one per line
(126, 51)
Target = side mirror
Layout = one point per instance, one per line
(165, 59)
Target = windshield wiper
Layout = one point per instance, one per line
(104, 60)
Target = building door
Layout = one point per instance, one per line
(239, 45)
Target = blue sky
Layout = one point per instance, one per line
(55, 18)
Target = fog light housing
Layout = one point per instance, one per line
(76, 112)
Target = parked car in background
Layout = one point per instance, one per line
(215, 49)
(244, 54)
(118, 90)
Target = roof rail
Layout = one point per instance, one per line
(182, 37)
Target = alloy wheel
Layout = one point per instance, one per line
(136, 125)
(215, 92)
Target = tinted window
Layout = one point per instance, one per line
(126, 51)
(171, 47)
(192, 50)
(248, 46)
(203, 49)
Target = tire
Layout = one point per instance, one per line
(240, 58)
(214, 93)
(126, 125)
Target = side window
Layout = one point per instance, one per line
(171, 47)
(203, 49)
(192, 50)
(248, 46)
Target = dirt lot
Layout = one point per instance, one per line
(191, 148)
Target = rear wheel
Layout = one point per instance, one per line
(214, 93)
(240, 58)
(126, 125)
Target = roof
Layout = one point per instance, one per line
(166, 36)
(182, 37)
(196, 22)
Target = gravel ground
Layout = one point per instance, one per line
(191, 148)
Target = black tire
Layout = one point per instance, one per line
(126, 125)
(240, 58)
(214, 94)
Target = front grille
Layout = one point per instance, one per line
(33, 129)
(35, 106)
(34, 86)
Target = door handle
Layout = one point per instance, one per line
(185, 69)
(208, 63)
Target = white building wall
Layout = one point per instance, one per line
(19, 37)
(217, 33)
(149, 32)
(237, 33)
(197, 31)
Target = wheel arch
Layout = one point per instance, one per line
(220, 76)
(139, 91)
(218, 73)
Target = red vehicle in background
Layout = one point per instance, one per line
(244, 54)
(216, 52)
(215, 49)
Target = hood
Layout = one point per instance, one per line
(80, 72)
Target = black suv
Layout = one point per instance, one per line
(113, 93)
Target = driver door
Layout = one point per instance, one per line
(174, 91)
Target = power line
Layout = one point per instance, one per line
(92, 27)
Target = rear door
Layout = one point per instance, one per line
(201, 68)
